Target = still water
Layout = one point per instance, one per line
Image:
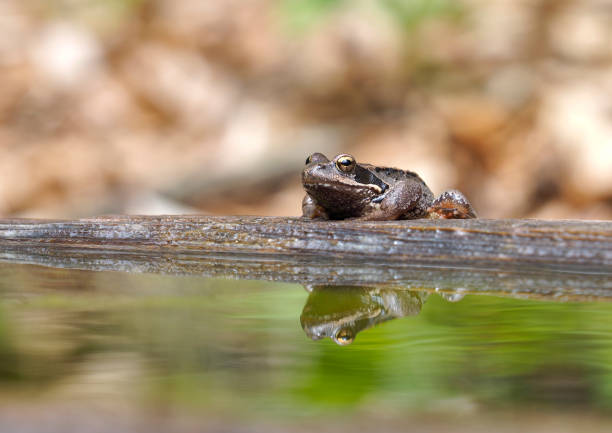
(109, 351)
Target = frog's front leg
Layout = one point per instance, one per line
(311, 209)
(402, 201)
(451, 205)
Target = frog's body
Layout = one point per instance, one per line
(341, 312)
(342, 188)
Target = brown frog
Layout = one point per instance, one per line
(344, 189)
(341, 312)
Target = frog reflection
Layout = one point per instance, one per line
(341, 312)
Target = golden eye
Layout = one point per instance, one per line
(309, 160)
(345, 163)
(344, 337)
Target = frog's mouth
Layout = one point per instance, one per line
(329, 325)
(360, 178)
(326, 185)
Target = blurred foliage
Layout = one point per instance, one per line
(301, 15)
(411, 13)
(139, 106)
(9, 360)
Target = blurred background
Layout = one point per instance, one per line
(212, 106)
(160, 106)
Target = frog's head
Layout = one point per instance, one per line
(340, 313)
(341, 330)
(341, 183)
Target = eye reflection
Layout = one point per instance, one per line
(344, 337)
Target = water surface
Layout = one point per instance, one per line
(251, 354)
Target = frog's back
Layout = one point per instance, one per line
(391, 175)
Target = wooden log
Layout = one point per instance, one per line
(492, 255)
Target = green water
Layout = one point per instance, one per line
(241, 350)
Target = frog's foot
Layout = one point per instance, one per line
(310, 209)
(451, 205)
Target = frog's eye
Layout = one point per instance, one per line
(309, 160)
(345, 163)
(344, 337)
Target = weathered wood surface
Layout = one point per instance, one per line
(510, 255)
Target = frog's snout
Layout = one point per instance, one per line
(312, 171)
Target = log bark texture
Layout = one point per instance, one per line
(479, 254)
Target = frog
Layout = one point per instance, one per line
(341, 312)
(343, 189)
